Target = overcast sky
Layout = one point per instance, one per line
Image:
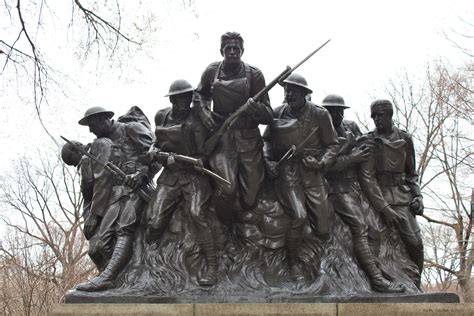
(370, 42)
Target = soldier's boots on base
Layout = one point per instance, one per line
(106, 279)
(208, 276)
(99, 283)
(296, 272)
(293, 243)
(380, 284)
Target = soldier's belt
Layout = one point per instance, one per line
(341, 177)
(391, 179)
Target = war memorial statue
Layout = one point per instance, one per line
(313, 210)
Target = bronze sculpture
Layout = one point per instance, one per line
(179, 130)
(238, 157)
(346, 195)
(392, 167)
(299, 182)
(118, 224)
(271, 193)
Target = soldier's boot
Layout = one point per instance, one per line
(208, 276)
(106, 279)
(416, 254)
(366, 259)
(99, 261)
(381, 284)
(292, 246)
(223, 205)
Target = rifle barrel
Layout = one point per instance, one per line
(309, 56)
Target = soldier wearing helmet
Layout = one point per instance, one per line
(391, 173)
(96, 187)
(228, 85)
(130, 137)
(299, 182)
(179, 130)
(346, 196)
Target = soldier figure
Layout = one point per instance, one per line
(179, 130)
(345, 192)
(299, 183)
(96, 186)
(117, 227)
(230, 84)
(393, 168)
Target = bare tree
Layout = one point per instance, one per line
(27, 287)
(461, 36)
(438, 114)
(103, 32)
(43, 207)
(24, 51)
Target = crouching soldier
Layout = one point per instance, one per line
(116, 231)
(96, 186)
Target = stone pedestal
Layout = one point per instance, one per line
(295, 309)
(211, 297)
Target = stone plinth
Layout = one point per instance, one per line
(75, 297)
(405, 309)
(294, 309)
(122, 309)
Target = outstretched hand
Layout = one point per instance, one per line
(360, 154)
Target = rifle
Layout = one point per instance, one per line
(116, 171)
(213, 140)
(295, 150)
(197, 164)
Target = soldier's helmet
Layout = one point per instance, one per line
(95, 110)
(298, 80)
(179, 86)
(334, 100)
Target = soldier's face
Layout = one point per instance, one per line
(382, 119)
(337, 115)
(232, 52)
(295, 96)
(181, 102)
(99, 125)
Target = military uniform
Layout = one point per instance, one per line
(238, 155)
(353, 207)
(393, 167)
(96, 187)
(130, 141)
(301, 191)
(345, 192)
(180, 181)
(114, 238)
